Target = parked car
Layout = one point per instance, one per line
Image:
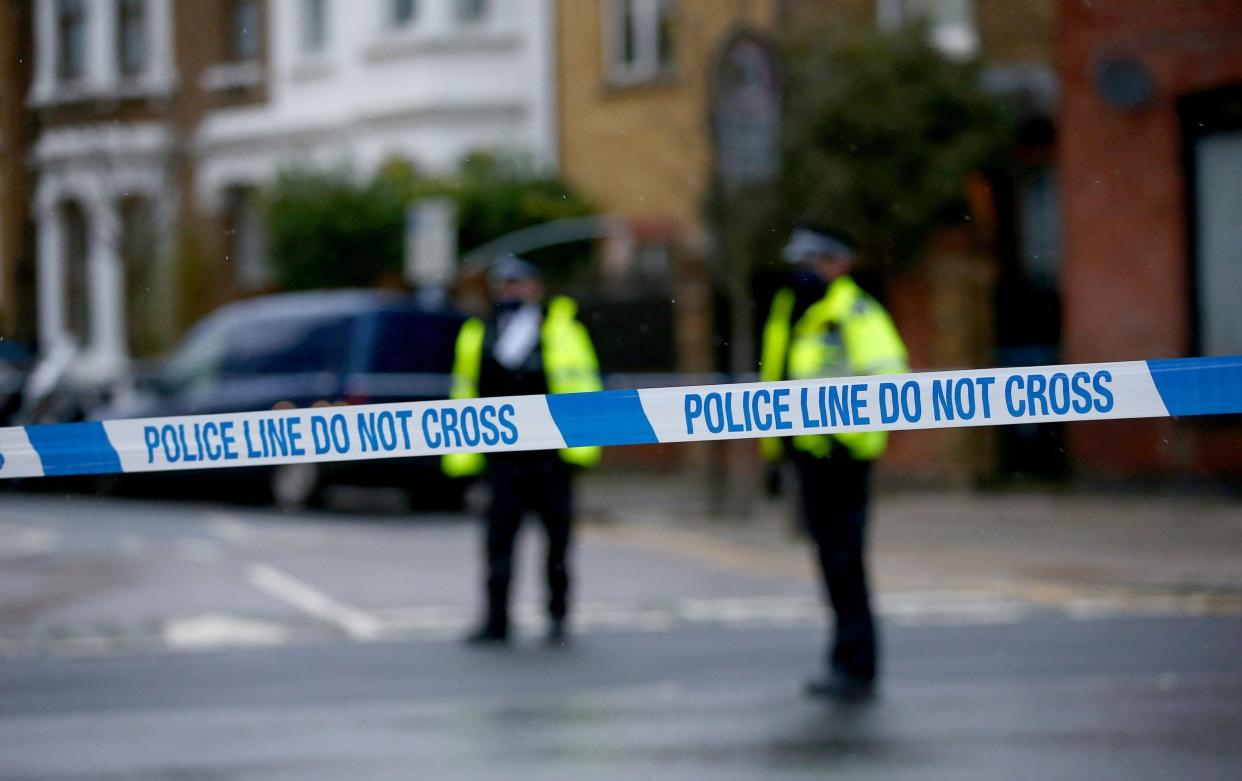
(15, 362)
(303, 349)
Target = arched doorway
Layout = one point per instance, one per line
(138, 251)
(76, 259)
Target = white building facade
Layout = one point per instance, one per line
(131, 133)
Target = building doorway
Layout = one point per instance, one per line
(138, 244)
(77, 243)
(1212, 124)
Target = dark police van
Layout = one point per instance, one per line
(300, 350)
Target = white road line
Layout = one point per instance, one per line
(790, 611)
(198, 550)
(221, 630)
(16, 541)
(355, 623)
(231, 529)
(132, 544)
(240, 533)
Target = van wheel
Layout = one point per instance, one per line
(296, 486)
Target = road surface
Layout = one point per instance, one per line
(151, 640)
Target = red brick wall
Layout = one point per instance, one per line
(1126, 280)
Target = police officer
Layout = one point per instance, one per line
(524, 348)
(824, 325)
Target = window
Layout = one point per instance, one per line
(403, 12)
(253, 344)
(639, 39)
(131, 31)
(286, 345)
(1217, 160)
(71, 39)
(471, 10)
(247, 239)
(951, 23)
(413, 343)
(314, 25)
(244, 30)
(1040, 213)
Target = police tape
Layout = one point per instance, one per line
(927, 400)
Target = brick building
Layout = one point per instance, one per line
(1150, 151)
(16, 299)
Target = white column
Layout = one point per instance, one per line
(161, 67)
(538, 45)
(434, 17)
(106, 280)
(51, 277)
(43, 85)
(101, 55)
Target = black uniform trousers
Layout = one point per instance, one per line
(537, 481)
(834, 493)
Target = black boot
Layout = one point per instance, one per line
(841, 687)
(558, 634)
(490, 632)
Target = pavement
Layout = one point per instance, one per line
(1026, 635)
(1078, 552)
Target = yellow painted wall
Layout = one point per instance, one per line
(643, 151)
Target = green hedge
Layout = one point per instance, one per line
(332, 228)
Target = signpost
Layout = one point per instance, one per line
(746, 128)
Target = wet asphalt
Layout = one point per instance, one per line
(144, 640)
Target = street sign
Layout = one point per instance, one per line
(431, 242)
(746, 111)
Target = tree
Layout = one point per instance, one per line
(881, 133)
(330, 229)
(501, 193)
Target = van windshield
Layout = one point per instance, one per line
(259, 346)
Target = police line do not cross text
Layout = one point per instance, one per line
(1132, 389)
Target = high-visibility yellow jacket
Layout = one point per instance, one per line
(569, 366)
(845, 333)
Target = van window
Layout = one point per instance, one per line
(413, 343)
(286, 346)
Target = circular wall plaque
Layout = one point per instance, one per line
(1123, 82)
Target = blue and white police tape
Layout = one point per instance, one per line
(986, 397)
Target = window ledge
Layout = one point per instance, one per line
(124, 88)
(143, 87)
(394, 46)
(312, 68)
(62, 92)
(232, 75)
(623, 82)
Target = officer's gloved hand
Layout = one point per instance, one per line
(773, 480)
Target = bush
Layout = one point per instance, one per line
(499, 194)
(328, 229)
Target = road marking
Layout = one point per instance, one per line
(234, 530)
(132, 544)
(221, 630)
(231, 529)
(16, 541)
(706, 549)
(766, 612)
(355, 623)
(198, 550)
